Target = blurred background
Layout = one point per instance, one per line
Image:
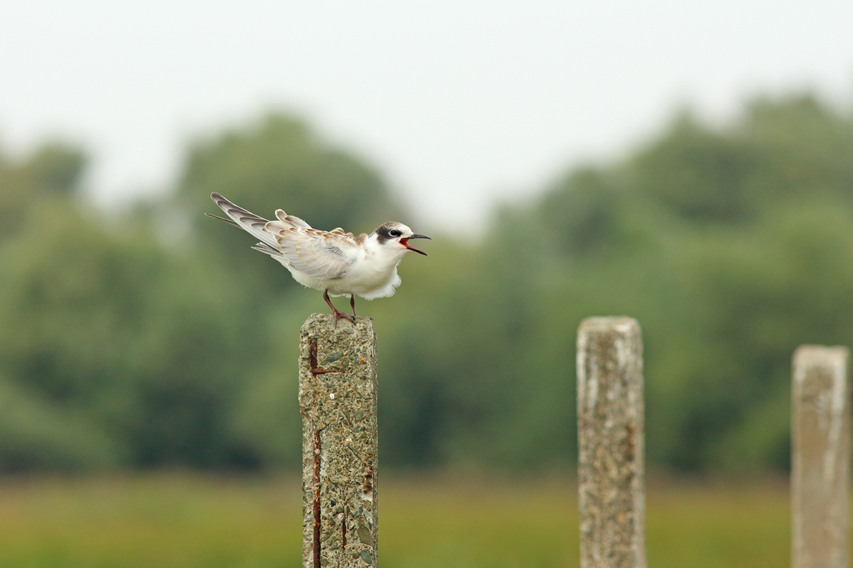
(690, 166)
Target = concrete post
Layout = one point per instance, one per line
(337, 397)
(820, 457)
(611, 441)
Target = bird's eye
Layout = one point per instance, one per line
(394, 233)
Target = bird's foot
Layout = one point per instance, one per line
(337, 314)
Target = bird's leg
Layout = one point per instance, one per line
(336, 313)
(352, 304)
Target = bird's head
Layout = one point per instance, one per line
(396, 237)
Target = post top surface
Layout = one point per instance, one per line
(621, 324)
(820, 354)
(325, 322)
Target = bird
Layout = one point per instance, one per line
(336, 262)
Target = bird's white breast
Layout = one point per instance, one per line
(373, 273)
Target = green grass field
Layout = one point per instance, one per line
(187, 520)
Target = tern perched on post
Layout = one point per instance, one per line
(336, 262)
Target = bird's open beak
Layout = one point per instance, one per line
(405, 243)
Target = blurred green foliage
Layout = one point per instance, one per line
(158, 338)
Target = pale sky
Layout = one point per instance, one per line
(458, 104)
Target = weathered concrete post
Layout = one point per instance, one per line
(611, 441)
(337, 396)
(820, 457)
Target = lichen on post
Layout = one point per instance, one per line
(337, 397)
(820, 468)
(611, 441)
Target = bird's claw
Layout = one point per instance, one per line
(337, 314)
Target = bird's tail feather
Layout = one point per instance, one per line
(229, 221)
(266, 249)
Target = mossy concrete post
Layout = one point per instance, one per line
(611, 441)
(820, 457)
(337, 397)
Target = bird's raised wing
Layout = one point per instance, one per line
(285, 221)
(246, 220)
(318, 254)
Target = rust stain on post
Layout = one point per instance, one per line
(820, 457)
(344, 527)
(316, 507)
(611, 443)
(312, 360)
(337, 397)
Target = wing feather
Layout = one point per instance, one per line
(318, 254)
(246, 220)
(290, 220)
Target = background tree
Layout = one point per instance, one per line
(126, 343)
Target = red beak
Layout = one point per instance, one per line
(405, 243)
